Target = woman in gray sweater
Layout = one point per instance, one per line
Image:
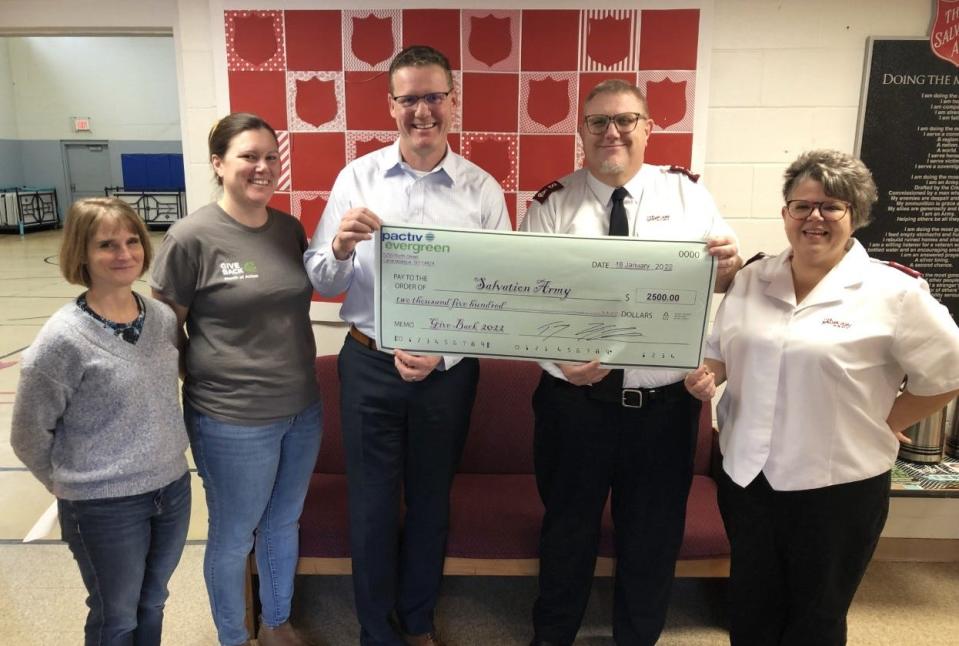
(97, 420)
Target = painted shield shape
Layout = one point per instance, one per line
(944, 38)
(667, 101)
(316, 101)
(607, 41)
(548, 102)
(372, 39)
(254, 38)
(364, 146)
(492, 156)
(310, 212)
(490, 39)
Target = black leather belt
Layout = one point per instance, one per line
(634, 397)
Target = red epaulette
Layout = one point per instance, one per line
(545, 192)
(909, 271)
(685, 171)
(758, 256)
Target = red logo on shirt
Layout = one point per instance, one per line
(843, 325)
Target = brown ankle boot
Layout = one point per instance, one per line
(426, 639)
(282, 635)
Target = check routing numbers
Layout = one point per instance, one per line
(625, 301)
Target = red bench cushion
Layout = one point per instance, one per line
(331, 448)
(325, 522)
(500, 438)
(497, 517)
(501, 426)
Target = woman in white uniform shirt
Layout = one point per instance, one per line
(815, 344)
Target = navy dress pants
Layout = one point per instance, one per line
(404, 439)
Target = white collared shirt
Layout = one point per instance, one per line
(457, 193)
(662, 205)
(809, 386)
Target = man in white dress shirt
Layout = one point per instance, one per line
(404, 416)
(633, 431)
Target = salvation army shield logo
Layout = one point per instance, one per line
(548, 102)
(372, 40)
(607, 41)
(492, 155)
(255, 40)
(945, 31)
(316, 101)
(490, 39)
(667, 101)
(367, 142)
(310, 212)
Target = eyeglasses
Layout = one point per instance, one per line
(625, 122)
(830, 210)
(410, 101)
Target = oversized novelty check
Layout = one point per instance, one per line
(626, 301)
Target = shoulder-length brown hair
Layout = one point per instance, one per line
(83, 219)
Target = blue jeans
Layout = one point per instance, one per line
(127, 549)
(255, 479)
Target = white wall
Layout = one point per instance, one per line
(126, 85)
(198, 103)
(57, 16)
(786, 77)
(8, 121)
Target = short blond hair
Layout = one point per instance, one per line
(83, 219)
(618, 86)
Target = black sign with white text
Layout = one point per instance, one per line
(909, 139)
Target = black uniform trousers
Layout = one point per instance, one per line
(583, 449)
(408, 437)
(798, 557)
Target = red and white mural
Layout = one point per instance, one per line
(320, 78)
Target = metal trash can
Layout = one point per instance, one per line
(952, 425)
(927, 437)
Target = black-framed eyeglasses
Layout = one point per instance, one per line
(625, 122)
(831, 210)
(410, 101)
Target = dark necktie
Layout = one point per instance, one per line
(611, 386)
(618, 225)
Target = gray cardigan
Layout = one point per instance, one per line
(95, 416)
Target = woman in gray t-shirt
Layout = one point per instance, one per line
(233, 273)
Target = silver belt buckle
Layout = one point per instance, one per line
(628, 401)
